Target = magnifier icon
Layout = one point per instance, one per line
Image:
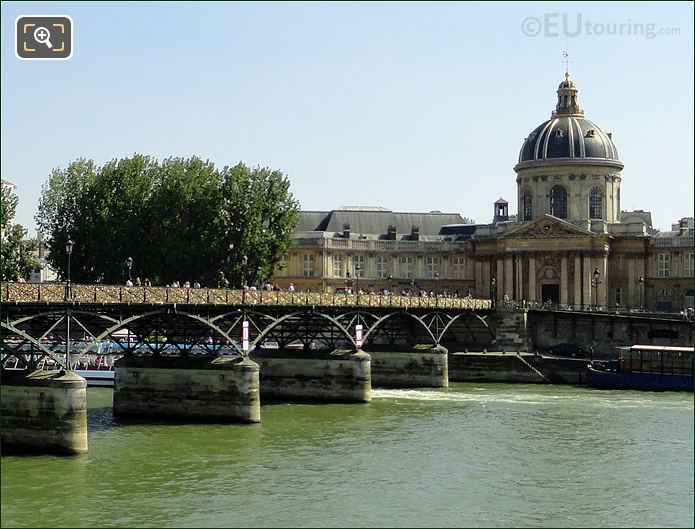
(42, 36)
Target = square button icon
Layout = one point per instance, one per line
(43, 37)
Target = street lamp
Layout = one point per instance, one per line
(493, 290)
(68, 286)
(244, 262)
(412, 285)
(129, 264)
(595, 283)
(390, 278)
(357, 282)
(436, 279)
(641, 292)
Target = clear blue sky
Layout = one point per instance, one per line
(414, 107)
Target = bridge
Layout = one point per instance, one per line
(212, 354)
(46, 320)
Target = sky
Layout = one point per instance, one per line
(409, 106)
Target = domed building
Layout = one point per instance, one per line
(569, 242)
(568, 167)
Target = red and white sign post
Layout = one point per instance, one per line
(358, 335)
(245, 336)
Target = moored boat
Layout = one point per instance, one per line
(645, 367)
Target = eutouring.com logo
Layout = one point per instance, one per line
(566, 25)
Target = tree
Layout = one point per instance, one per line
(18, 259)
(181, 219)
(259, 214)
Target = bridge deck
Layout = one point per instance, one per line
(107, 294)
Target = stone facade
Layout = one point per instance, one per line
(569, 244)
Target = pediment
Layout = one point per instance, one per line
(548, 227)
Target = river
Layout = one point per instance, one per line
(470, 455)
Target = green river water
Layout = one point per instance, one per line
(470, 455)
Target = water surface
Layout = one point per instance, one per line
(471, 455)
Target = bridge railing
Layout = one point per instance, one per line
(58, 293)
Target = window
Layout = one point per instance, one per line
(308, 261)
(458, 267)
(619, 262)
(431, 266)
(337, 265)
(528, 205)
(663, 265)
(358, 265)
(382, 266)
(406, 266)
(688, 268)
(558, 202)
(595, 203)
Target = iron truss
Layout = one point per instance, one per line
(34, 331)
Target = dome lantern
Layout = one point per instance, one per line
(567, 104)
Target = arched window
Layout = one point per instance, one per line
(595, 203)
(558, 202)
(528, 205)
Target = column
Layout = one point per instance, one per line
(479, 292)
(532, 278)
(632, 284)
(564, 282)
(500, 278)
(508, 277)
(586, 282)
(577, 282)
(602, 287)
(520, 277)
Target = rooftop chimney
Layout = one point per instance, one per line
(415, 232)
(346, 230)
(391, 233)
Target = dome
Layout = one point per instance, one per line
(568, 135)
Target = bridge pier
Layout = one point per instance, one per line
(319, 376)
(423, 366)
(44, 412)
(222, 389)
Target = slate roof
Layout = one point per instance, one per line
(376, 222)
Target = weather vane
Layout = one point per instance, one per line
(566, 58)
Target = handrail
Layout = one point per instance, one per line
(107, 294)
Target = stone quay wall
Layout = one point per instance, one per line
(44, 412)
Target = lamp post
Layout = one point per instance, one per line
(641, 292)
(436, 282)
(595, 283)
(68, 285)
(357, 282)
(390, 278)
(493, 291)
(129, 264)
(244, 263)
(412, 285)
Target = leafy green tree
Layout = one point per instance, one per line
(18, 259)
(259, 214)
(181, 219)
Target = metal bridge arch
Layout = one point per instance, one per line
(287, 317)
(394, 314)
(453, 320)
(34, 341)
(146, 315)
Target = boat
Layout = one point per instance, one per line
(645, 367)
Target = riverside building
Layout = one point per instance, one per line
(570, 243)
